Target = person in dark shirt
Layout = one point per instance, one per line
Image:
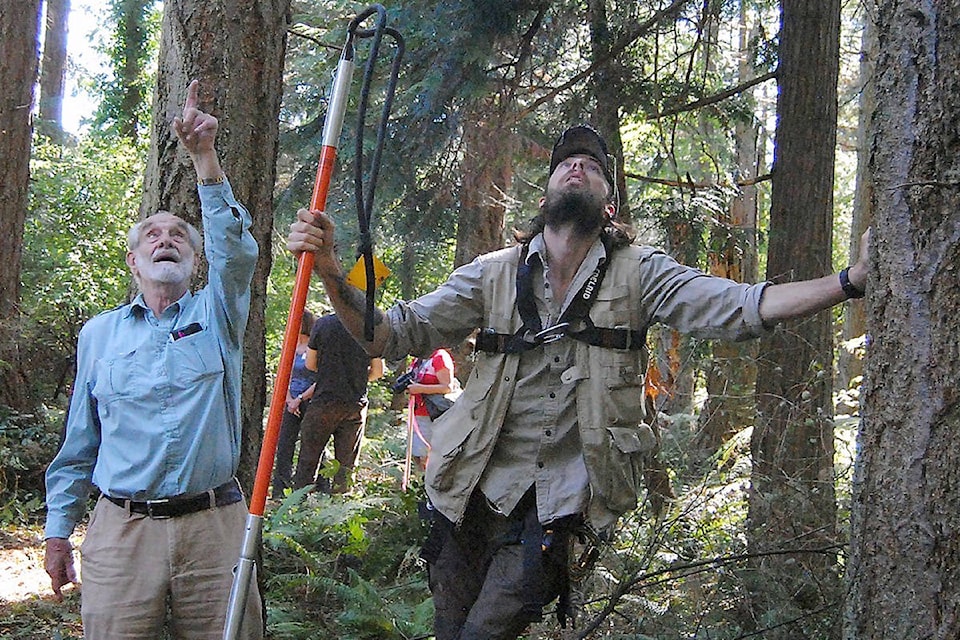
(338, 407)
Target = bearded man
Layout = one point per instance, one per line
(547, 443)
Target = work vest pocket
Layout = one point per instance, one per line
(629, 450)
(613, 307)
(625, 408)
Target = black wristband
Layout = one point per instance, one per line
(848, 287)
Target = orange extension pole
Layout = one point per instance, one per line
(332, 127)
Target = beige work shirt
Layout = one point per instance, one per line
(539, 443)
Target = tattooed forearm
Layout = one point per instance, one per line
(351, 296)
(350, 304)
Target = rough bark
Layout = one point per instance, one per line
(52, 69)
(488, 148)
(792, 499)
(19, 55)
(236, 51)
(675, 352)
(607, 91)
(903, 571)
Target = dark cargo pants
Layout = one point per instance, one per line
(490, 577)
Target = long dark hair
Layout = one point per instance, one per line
(306, 322)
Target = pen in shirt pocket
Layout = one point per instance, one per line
(188, 330)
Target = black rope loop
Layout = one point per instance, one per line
(365, 201)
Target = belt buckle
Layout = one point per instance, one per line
(150, 505)
(552, 334)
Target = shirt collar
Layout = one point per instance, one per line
(596, 255)
(140, 306)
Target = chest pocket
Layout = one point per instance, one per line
(612, 308)
(179, 364)
(115, 377)
(192, 359)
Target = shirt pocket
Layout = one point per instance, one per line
(193, 359)
(115, 377)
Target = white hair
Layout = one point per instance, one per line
(133, 236)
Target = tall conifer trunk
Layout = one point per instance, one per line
(52, 69)
(792, 499)
(904, 577)
(19, 53)
(236, 51)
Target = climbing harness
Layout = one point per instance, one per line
(574, 322)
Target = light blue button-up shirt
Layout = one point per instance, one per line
(153, 415)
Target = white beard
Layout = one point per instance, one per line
(167, 272)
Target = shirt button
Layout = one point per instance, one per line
(556, 358)
(549, 433)
(553, 395)
(540, 465)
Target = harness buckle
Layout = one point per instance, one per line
(552, 334)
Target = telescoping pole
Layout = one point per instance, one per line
(332, 126)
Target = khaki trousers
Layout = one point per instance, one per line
(134, 567)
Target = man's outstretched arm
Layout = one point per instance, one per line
(799, 299)
(314, 232)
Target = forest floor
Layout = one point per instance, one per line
(28, 610)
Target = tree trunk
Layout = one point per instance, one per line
(674, 351)
(52, 70)
(129, 63)
(236, 51)
(903, 574)
(850, 365)
(19, 54)
(732, 374)
(792, 503)
(607, 90)
(488, 149)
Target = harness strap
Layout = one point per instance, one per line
(531, 334)
(492, 342)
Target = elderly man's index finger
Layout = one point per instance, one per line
(193, 96)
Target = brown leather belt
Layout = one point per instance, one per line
(227, 493)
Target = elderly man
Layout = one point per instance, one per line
(548, 436)
(154, 424)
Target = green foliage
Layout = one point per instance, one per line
(346, 566)
(83, 200)
(131, 48)
(27, 443)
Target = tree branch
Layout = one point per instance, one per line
(640, 29)
(299, 31)
(687, 568)
(717, 97)
(689, 184)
